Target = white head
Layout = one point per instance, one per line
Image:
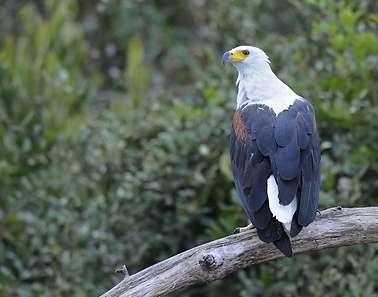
(256, 82)
(247, 59)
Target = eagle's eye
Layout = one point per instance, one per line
(245, 52)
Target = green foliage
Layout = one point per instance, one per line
(113, 125)
(137, 76)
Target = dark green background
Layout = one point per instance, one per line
(114, 125)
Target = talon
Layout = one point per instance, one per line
(237, 230)
(243, 229)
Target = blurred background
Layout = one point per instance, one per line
(114, 125)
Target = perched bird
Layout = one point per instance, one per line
(275, 151)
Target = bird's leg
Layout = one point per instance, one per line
(243, 229)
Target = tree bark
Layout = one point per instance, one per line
(214, 260)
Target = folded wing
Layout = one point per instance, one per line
(285, 145)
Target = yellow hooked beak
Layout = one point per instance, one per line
(237, 56)
(234, 56)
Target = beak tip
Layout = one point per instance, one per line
(226, 58)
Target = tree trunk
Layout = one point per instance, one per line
(214, 260)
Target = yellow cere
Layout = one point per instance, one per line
(238, 56)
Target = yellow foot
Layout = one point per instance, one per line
(243, 229)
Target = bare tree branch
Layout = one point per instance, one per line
(214, 260)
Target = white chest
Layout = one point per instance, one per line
(266, 90)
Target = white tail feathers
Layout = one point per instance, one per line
(283, 213)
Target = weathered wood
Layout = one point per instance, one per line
(214, 260)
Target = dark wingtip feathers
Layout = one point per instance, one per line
(284, 245)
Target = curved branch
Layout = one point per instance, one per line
(214, 260)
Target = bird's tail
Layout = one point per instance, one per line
(275, 233)
(284, 245)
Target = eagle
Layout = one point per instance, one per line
(274, 150)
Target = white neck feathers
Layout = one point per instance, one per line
(258, 84)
